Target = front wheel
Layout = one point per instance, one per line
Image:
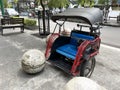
(87, 67)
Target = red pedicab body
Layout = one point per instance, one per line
(74, 53)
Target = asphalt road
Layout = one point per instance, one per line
(13, 45)
(111, 36)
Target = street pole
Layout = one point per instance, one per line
(2, 7)
(39, 21)
(43, 17)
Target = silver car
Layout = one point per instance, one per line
(11, 12)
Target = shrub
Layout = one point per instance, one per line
(30, 22)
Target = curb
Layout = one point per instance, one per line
(113, 25)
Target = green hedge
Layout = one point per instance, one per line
(30, 22)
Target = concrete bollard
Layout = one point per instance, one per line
(82, 83)
(33, 61)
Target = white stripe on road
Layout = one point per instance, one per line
(110, 47)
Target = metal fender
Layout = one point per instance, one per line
(51, 39)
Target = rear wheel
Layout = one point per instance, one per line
(87, 67)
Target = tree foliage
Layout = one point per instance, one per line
(37, 2)
(114, 2)
(86, 2)
(101, 1)
(58, 3)
(5, 2)
(15, 1)
(106, 2)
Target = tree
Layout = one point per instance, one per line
(58, 3)
(15, 1)
(16, 5)
(86, 2)
(5, 2)
(114, 2)
(37, 2)
(104, 2)
(101, 1)
(2, 7)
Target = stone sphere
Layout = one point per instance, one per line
(82, 83)
(33, 61)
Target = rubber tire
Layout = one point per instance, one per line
(83, 67)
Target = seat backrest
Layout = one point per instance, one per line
(17, 21)
(5, 21)
(12, 21)
(75, 37)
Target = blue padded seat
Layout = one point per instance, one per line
(76, 36)
(67, 50)
(82, 36)
(70, 50)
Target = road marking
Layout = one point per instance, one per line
(110, 47)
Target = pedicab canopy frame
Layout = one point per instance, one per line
(87, 15)
(74, 53)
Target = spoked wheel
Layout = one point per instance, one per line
(87, 67)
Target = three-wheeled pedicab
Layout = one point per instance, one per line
(75, 54)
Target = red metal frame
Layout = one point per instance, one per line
(79, 55)
(78, 60)
(50, 42)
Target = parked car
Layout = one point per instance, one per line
(11, 12)
(54, 11)
(25, 13)
(32, 13)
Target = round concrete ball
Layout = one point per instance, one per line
(33, 61)
(82, 83)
